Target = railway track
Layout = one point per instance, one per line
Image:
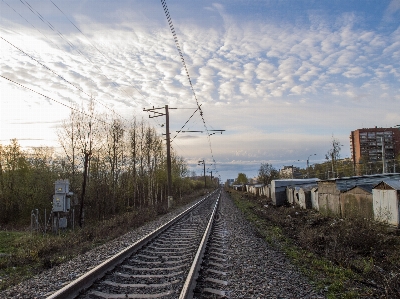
(212, 278)
(163, 264)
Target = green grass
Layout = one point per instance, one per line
(17, 249)
(8, 241)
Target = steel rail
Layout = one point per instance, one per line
(73, 289)
(190, 283)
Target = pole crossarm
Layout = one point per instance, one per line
(202, 131)
(156, 113)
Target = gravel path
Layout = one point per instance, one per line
(255, 269)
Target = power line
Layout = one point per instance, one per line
(79, 30)
(144, 97)
(47, 97)
(31, 24)
(97, 49)
(35, 12)
(58, 75)
(59, 33)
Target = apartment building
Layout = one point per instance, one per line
(290, 172)
(375, 145)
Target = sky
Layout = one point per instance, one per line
(282, 78)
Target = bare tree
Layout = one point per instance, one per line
(81, 129)
(133, 150)
(334, 154)
(115, 155)
(68, 141)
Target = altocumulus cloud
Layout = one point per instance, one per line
(267, 82)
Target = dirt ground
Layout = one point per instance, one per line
(368, 252)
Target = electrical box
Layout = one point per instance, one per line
(61, 186)
(61, 203)
(62, 222)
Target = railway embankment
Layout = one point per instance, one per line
(345, 258)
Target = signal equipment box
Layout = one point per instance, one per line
(61, 186)
(61, 203)
(62, 196)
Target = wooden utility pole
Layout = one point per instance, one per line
(169, 175)
(168, 144)
(204, 165)
(83, 191)
(205, 180)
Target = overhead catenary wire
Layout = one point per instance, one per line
(60, 76)
(172, 28)
(180, 130)
(40, 16)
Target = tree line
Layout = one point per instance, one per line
(334, 167)
(113, 166)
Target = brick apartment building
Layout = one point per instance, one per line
(369, 144)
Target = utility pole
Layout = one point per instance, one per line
(204, 165)
(205, 178)
(383, 154)
(168, 144)
(169, 175)
(308, 165)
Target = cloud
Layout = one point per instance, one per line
(269, 82)
(355, 72)
(35, 122)
(392, 9)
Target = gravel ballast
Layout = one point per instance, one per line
(256, 270)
